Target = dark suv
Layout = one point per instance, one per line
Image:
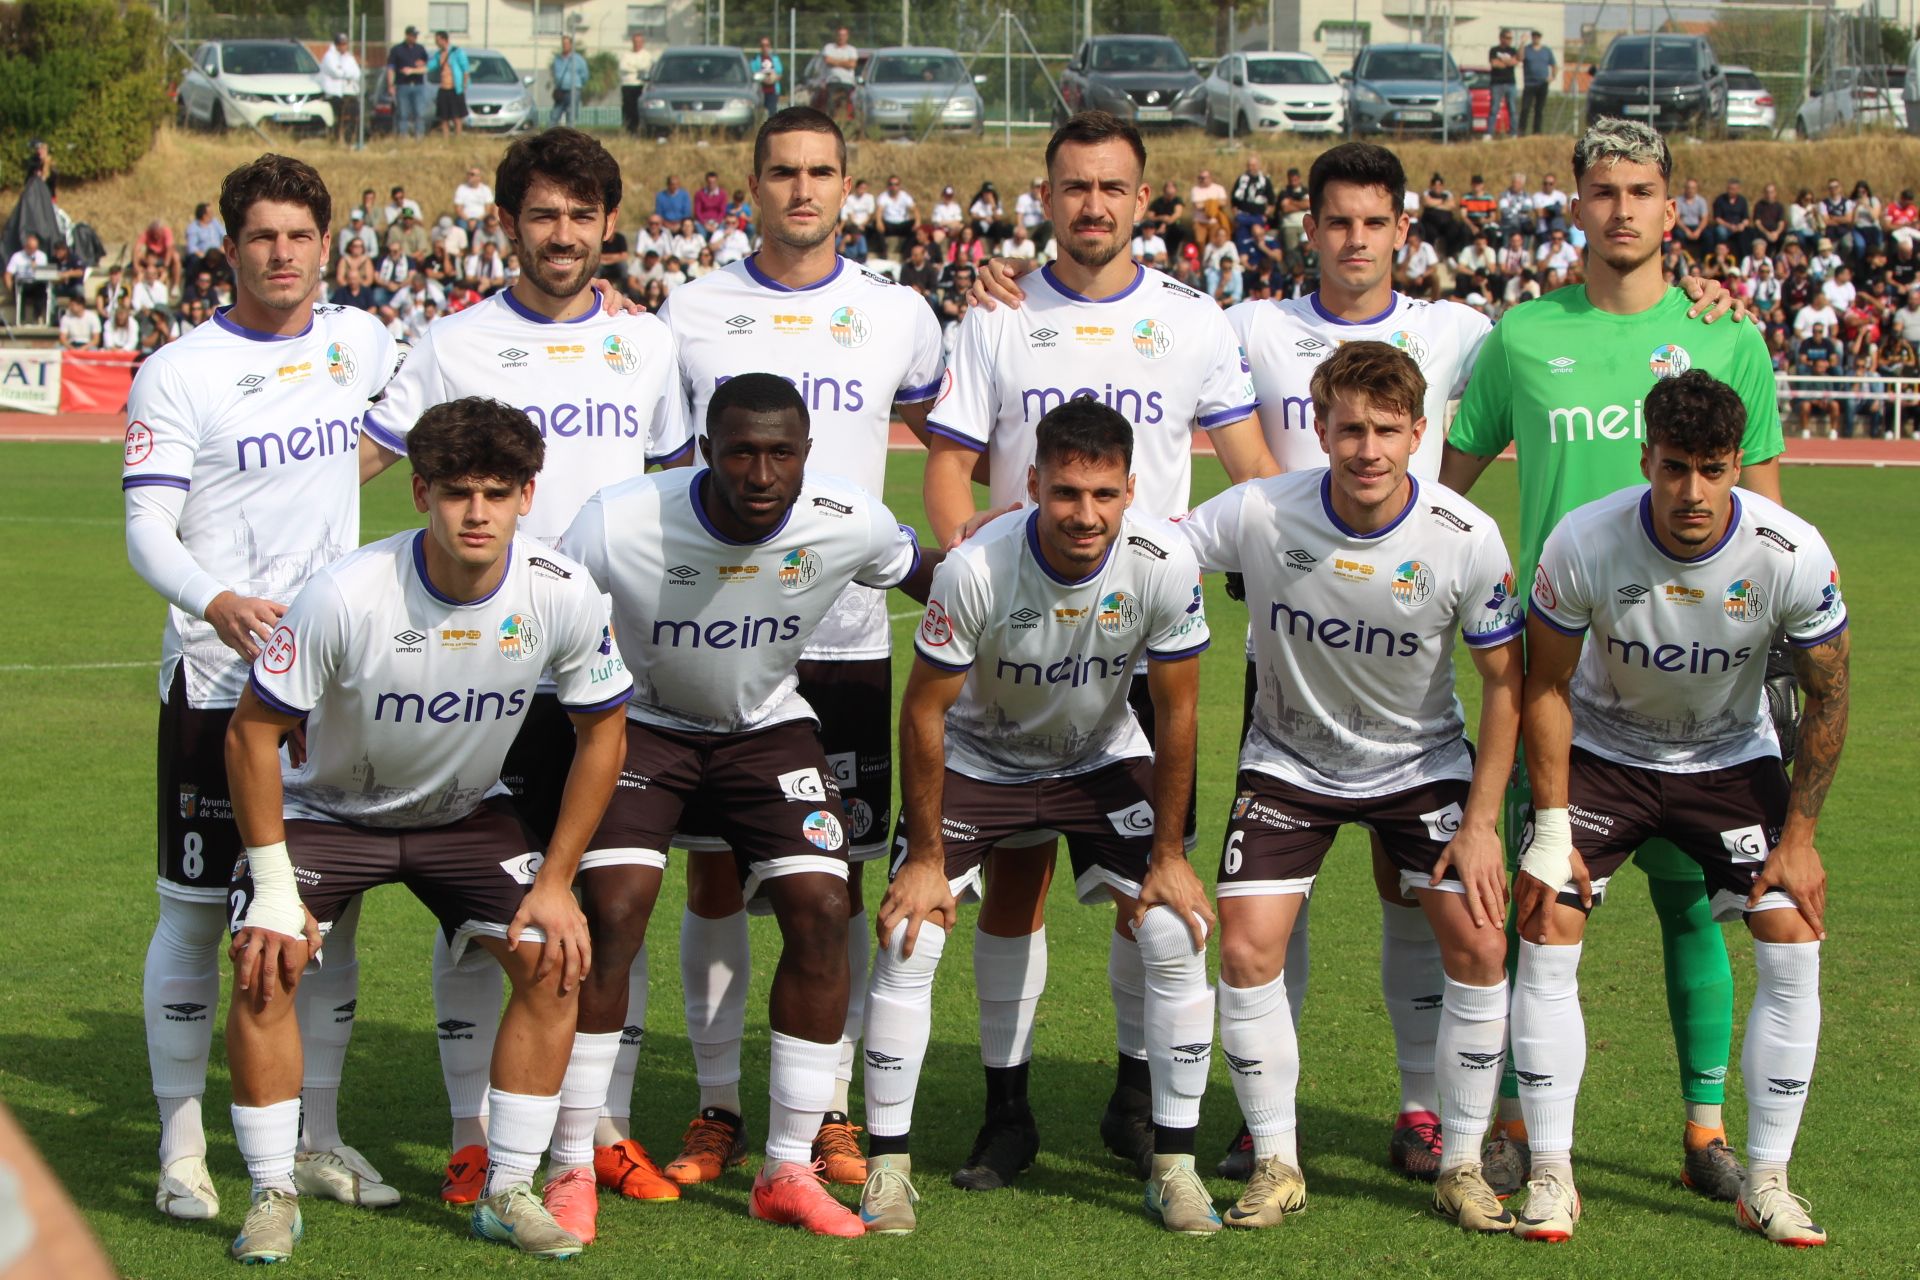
(1138, 78)
(1685, 87)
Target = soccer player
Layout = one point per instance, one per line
(241, 480)
(411, 660)
(720, 578)
(1016, 718)
(1095, 323)
(1645, 715)
(1562, 380)
(602, 389)
(859, 348)
(1357, 577)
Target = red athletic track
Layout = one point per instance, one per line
(109, 428)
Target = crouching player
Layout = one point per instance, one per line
(1016, 720)
(1357, 578)
(412, 661)
(1656, 725)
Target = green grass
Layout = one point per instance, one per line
(76, 744)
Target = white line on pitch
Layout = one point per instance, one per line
(74, 666)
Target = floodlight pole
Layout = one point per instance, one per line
(1006, 72)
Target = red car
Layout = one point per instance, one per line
(1478, 79)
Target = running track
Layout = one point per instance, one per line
(106, 428)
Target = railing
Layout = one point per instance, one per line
(1859, 396)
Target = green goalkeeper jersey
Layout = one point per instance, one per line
(1563, 382)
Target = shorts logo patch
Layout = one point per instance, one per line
(1413, 584)
(1134, 820)
(803, 785)
(936, 629)
(1240, 806)
(1119, 613)
(1442, 824)
(1745, 601)
(277, 657)
(524, 868)
(845, 767)
(822, 831)
(1745, 844)
(519, 637)
(859, 818)
(799, 568)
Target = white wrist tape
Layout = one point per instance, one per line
(276, 896)
(1549, 859)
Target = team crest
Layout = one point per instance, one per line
(519, 637)
(341, 366)
(860, 817)
(619, 354)
(1119, 614)
(189, 801)
(1745, 601)
(1413, 583)
(798, 568)
(850, 327)
(1152, 338)
(1670, 360)
(822, 831)
(1412, 343)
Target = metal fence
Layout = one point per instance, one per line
(1890, 406)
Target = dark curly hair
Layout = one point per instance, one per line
(475, 438)
(1696, 413)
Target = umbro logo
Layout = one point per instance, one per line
(1191, 1053)
(344, 1012)
(1534, 1079)
(739, 324)
(1561, 364)
(455, 1029)
(1480, 1061)
(1789, 1087)
(631, 1034)
(1312, 346)
(1245, 1066)
(683, 573)
(186, 1012)
(513, 358)
(884, 1061)
(408, 641)
(1714, 1073)
(1427, 1002)
(1043, 337)
(1024, 619)
(251, 382)
(1300, 559)
(1632, 593)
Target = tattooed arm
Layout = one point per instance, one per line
(1794, 865)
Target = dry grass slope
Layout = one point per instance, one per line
(184, 168)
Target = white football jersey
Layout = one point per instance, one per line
(1353, 633)
(1049, 660)
(601, 389)
(1286, 339)
(1673, 673)
(854, 344)
(411, 698)
(710, 627)
(263, 433)
(1159, 353)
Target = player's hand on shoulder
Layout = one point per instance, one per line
(613, 302)
(998, 281)
(978, 521)
(552, 910)
(919, 892)
(243, 623)
(1711, 300)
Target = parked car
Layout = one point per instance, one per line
(1408, 88)
(912, 89)
(1853, 98)
(1686, 88)
(1138, 78)
(499, 99)
(1273, 89)
(1480, 85)
(253, 82)
(1750, 106)
(699, 86)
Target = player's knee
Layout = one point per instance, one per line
(1166, 944)
(1245, 963)
(1480, 957)
(812, 910)
(617, 923)
(892, 970)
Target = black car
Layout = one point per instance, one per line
(1138, 78)
(1685, 88)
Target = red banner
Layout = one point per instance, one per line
(95, 381)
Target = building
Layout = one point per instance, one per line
(528, 31)
(1334, 30)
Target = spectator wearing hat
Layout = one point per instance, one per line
(947, 214)
(1824, 261)
(407, 85)
(412, 238)
(357, 228)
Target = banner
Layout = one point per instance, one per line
(30, 380)
(96, 381)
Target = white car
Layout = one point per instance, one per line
(254, 82)
(1750, 107)
(1273, 90)
(1853, 98)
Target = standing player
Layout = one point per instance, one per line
(1656, 724)
(859, 348)
(1016, 719)
(719, 579)
(241, 480)
(1358, 576)
(410, 660)
(1095, 324)
(602, 390)
(1562, 380)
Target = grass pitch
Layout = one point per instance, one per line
(77, 708)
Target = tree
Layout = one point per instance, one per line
(85, 76)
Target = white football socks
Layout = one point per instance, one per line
(1472, 1041)
(519, 1127)
(1783, 1035)
(1549, 1049)
(1127, 982)
(466, 1014)
(179, 995)
(266, 1137)
(616, 1115)
(1009, 976)
(899, 1022)
(1263, 1056)
(715, 971)
(1298, 963)
(1179, 1008)
(1411, 979)
(583, 1091)
(799, 1086)
(324, 1003)
(859, 951)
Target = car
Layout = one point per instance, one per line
(915, 89)
(1480, 85)
(699, 86)
(1853, 98)
(1147, 80)
(499, 99)
(1673, 82)
(1273, 89)
(1408, 89)
(1750, 106)
(249, 83)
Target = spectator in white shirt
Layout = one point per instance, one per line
(473, 200)
(357, 229)
(1148, 247)
(420, 317)
(1478, 256)
(1840, 290)
(688, 241)
(1557, 255)
(485, 269)
(1550, 206)
(896, 208)
(947, 214)
(420, 290)
(397, 200)
(122, 333)
(340, 81)
(732, 244)
(150, 291)
(1020, 245)
(79, 326)
(860, 207)
(1417, 261)
(1819, 311)
(654, 238)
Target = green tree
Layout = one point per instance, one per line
(86, 76)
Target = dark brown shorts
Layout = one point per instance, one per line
(771, 793)
(1727, 820)
(1278, 834)
(1106, 817)
(537, 764)
(472, 874)
(1141, 700)
(198, 840)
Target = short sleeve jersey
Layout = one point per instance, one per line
(1563, 381)
(600, 388)
(1353, 633)
(412, 698)
(712, 628)
(263, 434)
(1286, 340)
(1672, 675)
(855, 344)
(1048, 659)
(1157, 352)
